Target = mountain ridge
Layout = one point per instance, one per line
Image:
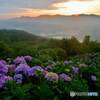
(54, 16)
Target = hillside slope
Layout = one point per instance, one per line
(17, 36)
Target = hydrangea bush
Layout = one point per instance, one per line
(20, 80)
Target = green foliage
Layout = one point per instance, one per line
(15, 42)
(55, 53)
(15, 91)
(5, 50)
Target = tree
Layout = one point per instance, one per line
(86, 44)
(86, 40)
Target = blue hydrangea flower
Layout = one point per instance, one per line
(32, 71)
(39, 68)
(93, 78)
(65, 77)
(22, 68)
(18, 78)
(75, 70)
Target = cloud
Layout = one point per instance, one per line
(36, 4)
(27, 3)
(40, 7)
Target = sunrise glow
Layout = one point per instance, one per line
(63, 7)
(76, 7)
(72, 7)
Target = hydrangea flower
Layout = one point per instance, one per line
(32, 71)
(49, 67)
(18, 78)
(3, 68)
(3, 80)
(4, 62)
(75, 70)
(82, 65)
(19, 60)
(28, 58)
(7, 78)
(11, 67)
(65, 77)
(39, 68)
(52, 76)
(66, 62)
(93, 78)
(22, 68)
(45, 72)
(54, 64)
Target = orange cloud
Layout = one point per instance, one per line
(67, 7)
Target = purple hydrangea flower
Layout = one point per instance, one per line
(28, 58)
(82, 65)
(49, 67)
(53, 65)
(3, 68)
(65, 77)
(66, 62)
(19, 60)
(7, 78)
(4, 62)
(3, 80)
(52, 76)
(32, 71)
(39, 68)
(11, 67)
(22, 68)
(75, 70)
(18, 78)
(93, 78)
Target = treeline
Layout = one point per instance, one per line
(14, 43)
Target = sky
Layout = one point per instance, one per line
(16, 8)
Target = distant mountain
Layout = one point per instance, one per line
(53, 16)
(56, 26)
